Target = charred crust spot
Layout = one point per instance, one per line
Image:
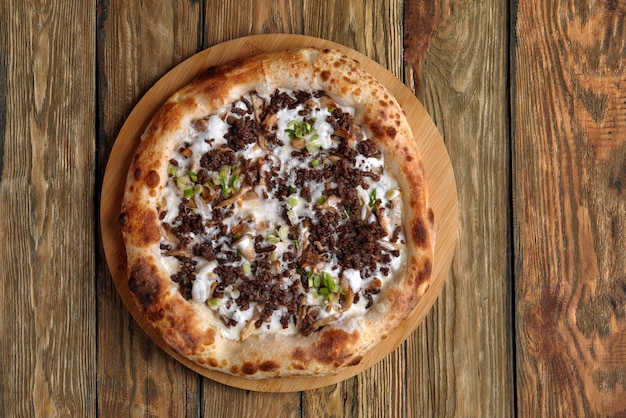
(212, 362)
(377, 129)
(409, 158)
(144, 283)
(268, 366)
(325, 75)
(333, 346)
(419, 233)
(152, 179)
(425, 271)
(137, 174)
(298, 366)
(234, 370)
(299, 355)
(249, 368)
(123, 219)
(391, 132)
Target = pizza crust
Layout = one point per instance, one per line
(188, 327)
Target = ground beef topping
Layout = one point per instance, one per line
(280, 215)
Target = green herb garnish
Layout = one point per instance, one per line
(372, 198)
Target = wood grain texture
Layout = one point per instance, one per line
(47, 343)
(569, 120)
(137, 43)
(374, 29)
(225, 20)
(462, 354)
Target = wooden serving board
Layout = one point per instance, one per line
(439, 175)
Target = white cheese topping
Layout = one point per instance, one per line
(274, 233)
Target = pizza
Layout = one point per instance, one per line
(276, 217)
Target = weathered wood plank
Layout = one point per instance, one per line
(47, 343)
(461, 357)
(569, 116)
(137, 44)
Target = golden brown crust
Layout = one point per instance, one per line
(187, 327)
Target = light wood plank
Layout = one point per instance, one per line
(373, 28)
(226, 20)
(569, 119)
(137, 43)
(47, 348)
(461, 357)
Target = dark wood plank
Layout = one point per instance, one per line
(569, 119)
(460, 359)
(47, 343)
(137, 44)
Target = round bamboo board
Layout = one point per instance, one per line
(439, 175)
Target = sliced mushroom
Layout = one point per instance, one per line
(242, 191)
(384, 221)
(178, 253)
(240, 228)
(250, 325)
(348, 295)
(166, 231)
(390, 246)
(298, 143)
(245, 245)
(342, 133)
(331, 202)
(325, 321)
(270, 121)
(258, 104)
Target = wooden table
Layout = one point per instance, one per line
(530, 97)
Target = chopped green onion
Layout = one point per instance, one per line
(312, 148)
(283, 233)
(316, 281)
(293, 216)
(246, 268)
(315, 163)
(331, 110)
(324, 291)
(184, 182)
(197, 189)
(188, 193)
(215, 302)
(273, 239)
(321, 200)
(292, 189)
(310, 282)
(392, 194)
(372, 198)
(224, 171)
(293, 201)
(236, 181)
(172, 170)
(237, 235)
(193, 176)
(346, 211)
(273, 256)
(296, 242)
(331, 297)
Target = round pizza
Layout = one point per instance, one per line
(276, 216)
